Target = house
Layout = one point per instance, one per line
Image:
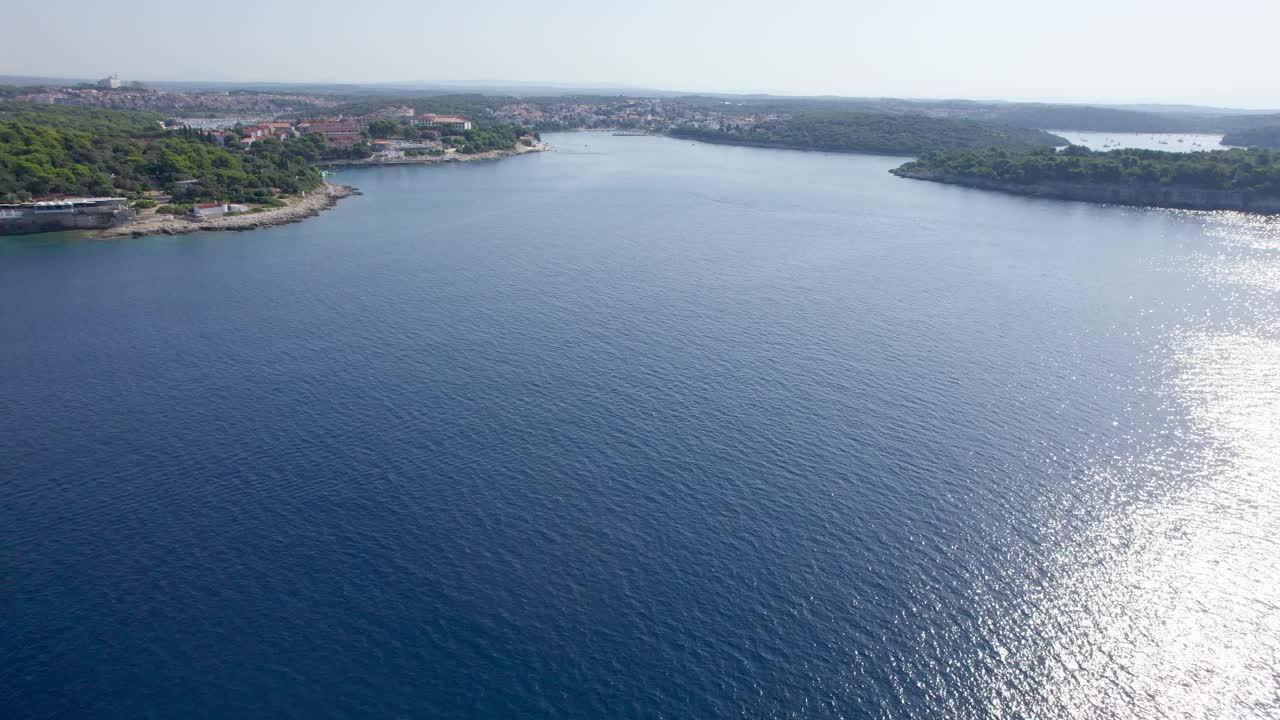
(259, 130)
(207, 210)
(447, 122)
(341, 134)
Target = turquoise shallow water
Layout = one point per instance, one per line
(645, 428)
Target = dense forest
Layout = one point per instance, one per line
(87, 119)
(52, 151)
(41, 161)
(500, 136)
(883, 133)
(1264, 137)
(1242, 170)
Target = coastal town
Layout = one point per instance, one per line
(425, 131)
(212, 110)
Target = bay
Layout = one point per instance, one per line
(646, 428)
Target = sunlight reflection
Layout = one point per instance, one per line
(1171, 608)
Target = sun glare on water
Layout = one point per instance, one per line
(1170, 607)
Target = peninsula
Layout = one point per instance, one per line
(294, 209)
(135, 173)
(1247, 180)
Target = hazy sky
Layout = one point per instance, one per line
(1221, 52)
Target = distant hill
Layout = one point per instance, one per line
(1112, 119)
(878, 133)
(40, 81)
(1188, 109)
(1037, 116)
(1264, 137)
(1095, 119)
(473, 97)
(1248, 122)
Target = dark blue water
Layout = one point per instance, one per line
(641, 429)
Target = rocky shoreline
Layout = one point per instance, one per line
(297, 210)
(1180, 198)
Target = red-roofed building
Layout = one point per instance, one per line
(202, 210)
(341, 134)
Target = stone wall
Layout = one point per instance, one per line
(82, 219)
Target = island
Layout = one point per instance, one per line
(868, 132)
(1247, 180)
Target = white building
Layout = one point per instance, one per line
(110, 83)
(449, 122)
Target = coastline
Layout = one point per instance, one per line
(296, 211)
(1178, 198)
(785, 146)
(451, 156)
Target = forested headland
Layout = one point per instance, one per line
(1264, 137)
(58, 151)
(879, 133)
(1222, 179)
(52, 151)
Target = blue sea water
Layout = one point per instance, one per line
(642, 428)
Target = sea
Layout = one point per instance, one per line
(645, 428)
(1165, 142)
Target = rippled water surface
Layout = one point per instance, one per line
(645, 428)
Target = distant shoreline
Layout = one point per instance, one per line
(781, 146)
(448, 157)
(298, 209)
(1178, 198)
